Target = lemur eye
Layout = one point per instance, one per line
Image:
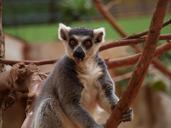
(73, 43)
(87, 44)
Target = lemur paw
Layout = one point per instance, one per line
(127, 116)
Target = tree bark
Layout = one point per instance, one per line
(2, 55)
(2, 43)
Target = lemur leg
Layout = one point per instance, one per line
(47, 116)
(107, 98)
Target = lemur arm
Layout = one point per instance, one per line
(107, 98)
(73, 109)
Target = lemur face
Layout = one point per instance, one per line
(81, 43)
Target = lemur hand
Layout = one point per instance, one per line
(127, 116)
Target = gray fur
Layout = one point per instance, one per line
(81, 31)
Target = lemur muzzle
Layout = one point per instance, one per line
(79, 53)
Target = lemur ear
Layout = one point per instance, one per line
(99, 35)
(63, 32)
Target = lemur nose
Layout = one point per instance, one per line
(79, 53)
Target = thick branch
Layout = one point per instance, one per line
(130, 60)
(142, 66)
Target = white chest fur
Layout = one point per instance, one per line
(88, 75)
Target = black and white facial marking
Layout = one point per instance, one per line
(81, 43)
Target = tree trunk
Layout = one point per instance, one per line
(2, 55)
(2, 44)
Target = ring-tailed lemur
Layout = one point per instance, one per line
(79, 81)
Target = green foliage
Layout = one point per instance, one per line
(75, 9)
(47, 11)
(159, 86)
(48, 32)
(24, 9)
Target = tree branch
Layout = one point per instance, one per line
(130, 60)
(38, 63)
(162, 68)
(109, 17)
(125, 61)
(122, 77)
(146, 32)
(142, 66)
(125, 42)
(15, 80)
(106, 14)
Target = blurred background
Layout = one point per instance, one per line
(30, 28)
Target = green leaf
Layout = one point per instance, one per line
(159, 86)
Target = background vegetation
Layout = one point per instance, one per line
(48, 32)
